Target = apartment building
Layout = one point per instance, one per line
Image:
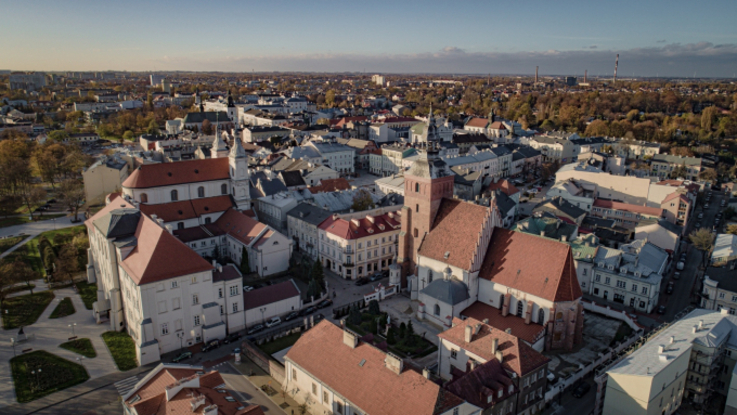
(359, 244)
(302, 225)
(104, 177)
(625, 215)
(662, 165)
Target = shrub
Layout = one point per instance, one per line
(373, 308)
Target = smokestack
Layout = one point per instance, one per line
(616, 64)
(537, 68)
(585, 75)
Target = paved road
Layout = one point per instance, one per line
(35, 228)
(572, 405)
(246, 391)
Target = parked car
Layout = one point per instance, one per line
(273, 322)
(232, 338)
(255, 329)
(214, 344)
(581, 390)
(701, 215)
(325, 303)
(706, 206)
(291, 316)
(362, 281)
(247, 288)
(237, 350)
(661, 309)
(669, 289)
(375, 277)
(676, 275)
(680, 266)
(183, 356)
(307, 311)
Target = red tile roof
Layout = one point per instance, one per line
(240, 226)
(675, 195)
(370, 385)
(505, 186)
(330, 185)
(153, 395)
(551, 275)
(455, 231)
(517, 355)
(527, 332)
(170, 212)
(151, 260)
(478, 122)
(645, 210)
(167, 174)
(361, 228)
(270, 294)
(498, 125)
(229, 272)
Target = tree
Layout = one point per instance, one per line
(547, 125)
(390, 339)
(313, 289)
(153, 128)
(732, 229)
(708, 116)
(206, 127)
(66, 263)
(708, 175)
(7, 279)
(597, 128)
(128, 135)
(58, 135)
(679, 172)
(402, 330)
(49, 258)
(9, 204)
(72, 195)
(318, 273)
(245, 266)
(21, 272)
(373, 307)
(32, 195)
(702, 240)
(330, 98)
(354, 317)
(362, 200)
(729, 212)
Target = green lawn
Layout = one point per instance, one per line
(122, 348)
(80, 346)
(32, 254)
(55, 374)
(20, 220)
(24, 310)
(7, 243)
(280, 344)
(88, 292)
(20, 288)
(65, 308)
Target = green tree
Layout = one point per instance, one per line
(362, 200)
(313, 289)
(679, 172)
(153, 128)
(373, 307)
(129, 136)
(547, 125)
(390, 339)
(245, 266)
(729, 212)
(58, 135)
(318, 273)
(7, 279)
(330, 98)
(702, 240)
(410, 329)
(402, 330)
(355, 317)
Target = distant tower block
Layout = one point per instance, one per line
(585, 75)
(537, 68)
(616, 64)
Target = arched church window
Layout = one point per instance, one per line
(520, 308)
(201, 191)
(436, 311)
(144, 198)
(224, 189)
(417, 188)
(429, 276)
(501, 301)
(541, 316)
(174, 195)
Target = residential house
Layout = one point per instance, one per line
(302, 225)
(625, 215)
(104, 177)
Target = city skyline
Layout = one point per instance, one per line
(654, 39)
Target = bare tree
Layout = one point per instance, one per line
(72, 195)
(7, 279)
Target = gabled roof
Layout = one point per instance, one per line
(450, 291)
(360, 375)
(187, 209)
(269, 294)
(505, 186)
(240, 226)
(645, 210)
(331, 185)
(455, 231)
(363, 227)
(518, 357)
(481, 386)
(551, 275)
(180, 172)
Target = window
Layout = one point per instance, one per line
(584, 272)
(314, 389)
(222, 310)
(540, 316)
(195, 299)
(174, 195)
(164, 329)
(194, 280)
(208, 220)
(621, 284)
(597, 278)
(223, 189)
(196, 320)
(144, 198)
(520, 308)
(644, 290)
(417, 208)
(417, 188)
(180, 226)
(453, 354)
(415, 232)
(634, 287)
(607, 281)
(233, 290)
(455, 411)
(235, 307)
(294, 374)
(175, 304)
(436, 310)
(201, 191)
(174, 284)
(721, 295)
(220, 293)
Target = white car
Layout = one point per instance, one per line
(247, 288)
(679, 266)
(273, 322)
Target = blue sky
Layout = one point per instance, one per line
(675, 38)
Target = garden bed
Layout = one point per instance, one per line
(40, 373)
(280, 344)
(122, 349)
(88, 292)
(65, 308)
(7, 243)
(80, 346)
(24, 310)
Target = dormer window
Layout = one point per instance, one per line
(500, 393)
(623, 270)
(611, 267)
(637, 274)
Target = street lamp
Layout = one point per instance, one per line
(72, 326)
(262, 309)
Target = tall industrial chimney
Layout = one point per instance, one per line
(616, 63)
(536, 69)
(585, 74)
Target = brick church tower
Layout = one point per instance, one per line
(427, 182)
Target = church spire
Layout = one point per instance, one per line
(237, 151)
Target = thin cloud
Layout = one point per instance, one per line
(661, 41)
(593, 47)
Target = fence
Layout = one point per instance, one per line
(261, 359)
(346, 308)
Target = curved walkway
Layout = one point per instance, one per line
(49, 334)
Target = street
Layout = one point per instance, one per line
(239, 386)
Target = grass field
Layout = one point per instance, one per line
(24, 310)
(65, 308)
(40, 373)
(280, 344)
(7, 243)
(88, 292)
(80, 346)
(32, 253)
(122, 348)
(21, 220)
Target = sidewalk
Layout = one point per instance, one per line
(261, 378)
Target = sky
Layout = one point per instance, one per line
(653, 37)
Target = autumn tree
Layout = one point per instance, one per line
(362, 200)
(702, 240)
(72, 195)
(206, 127)
(597, 128)
(7, 279)
(708, 175)
(21, 272)
(66, 264)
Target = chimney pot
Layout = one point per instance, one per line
(508, 330)
(469, 334)
(494, 345)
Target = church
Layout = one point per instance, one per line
(459, 262)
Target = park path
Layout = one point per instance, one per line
(35, 228)
(48, 334)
